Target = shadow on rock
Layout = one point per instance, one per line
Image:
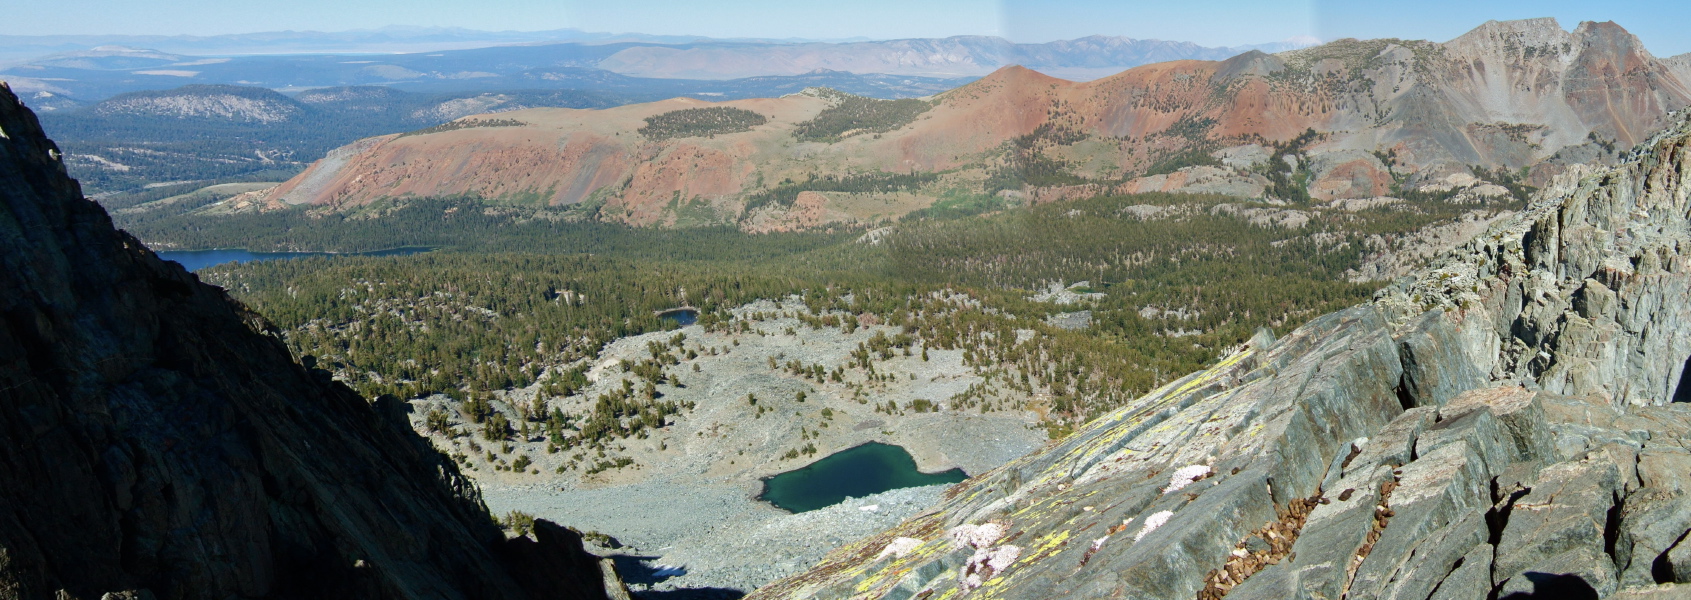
(1548, 586)
(691, 594)
(641, 570)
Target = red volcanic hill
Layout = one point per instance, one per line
(1507, 95)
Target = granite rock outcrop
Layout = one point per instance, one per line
(160, 441)
(1510, 422)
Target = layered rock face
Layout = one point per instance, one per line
(1509, 423)
(159, 441)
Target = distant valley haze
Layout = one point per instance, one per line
(395, 26)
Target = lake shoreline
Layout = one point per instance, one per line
(865, 469)
(194, 260)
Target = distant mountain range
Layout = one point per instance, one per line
(80, 78)
(90, 74)
(1079, 59)
(385, 40)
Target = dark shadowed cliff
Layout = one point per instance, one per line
(156, 438)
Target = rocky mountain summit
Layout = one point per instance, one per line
(160, 442)
(1510, 422)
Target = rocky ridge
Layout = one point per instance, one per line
(1387, 113)
(1510, 422)
(220, 102)
(160, 442)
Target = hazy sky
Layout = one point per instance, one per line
(1662, 24)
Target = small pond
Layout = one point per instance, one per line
(680, 316)
(194, 260)
(871, 468)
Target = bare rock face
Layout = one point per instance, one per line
(1582, 289)
(1348, 174)
(159, 441)
(1510, 423)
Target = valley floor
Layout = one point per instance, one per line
(723, 540)
(689, 498)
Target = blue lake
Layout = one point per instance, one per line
(680, 316)
(194, 260)
(871, 468)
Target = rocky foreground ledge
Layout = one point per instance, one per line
(1502, 425)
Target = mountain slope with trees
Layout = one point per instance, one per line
(1515, 102)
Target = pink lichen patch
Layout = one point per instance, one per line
(986, 564)
(1002, 557)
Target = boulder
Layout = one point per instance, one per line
(1437, 489)
(1564, 517)
(1518, 411)
(1435, 366)
(1440, 553)
(1469, 580)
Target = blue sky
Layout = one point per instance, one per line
(1663, 25)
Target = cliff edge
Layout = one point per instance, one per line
(1512, 422)
(160, 442)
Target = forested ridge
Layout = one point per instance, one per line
(701, 122)
(851, 114)
(464, 224)
(512, 300)
(114, 146)
(879, 182)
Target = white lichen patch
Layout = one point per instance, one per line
(899, 547)
(977, 536)
(1184, 476)
(1152, 523)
